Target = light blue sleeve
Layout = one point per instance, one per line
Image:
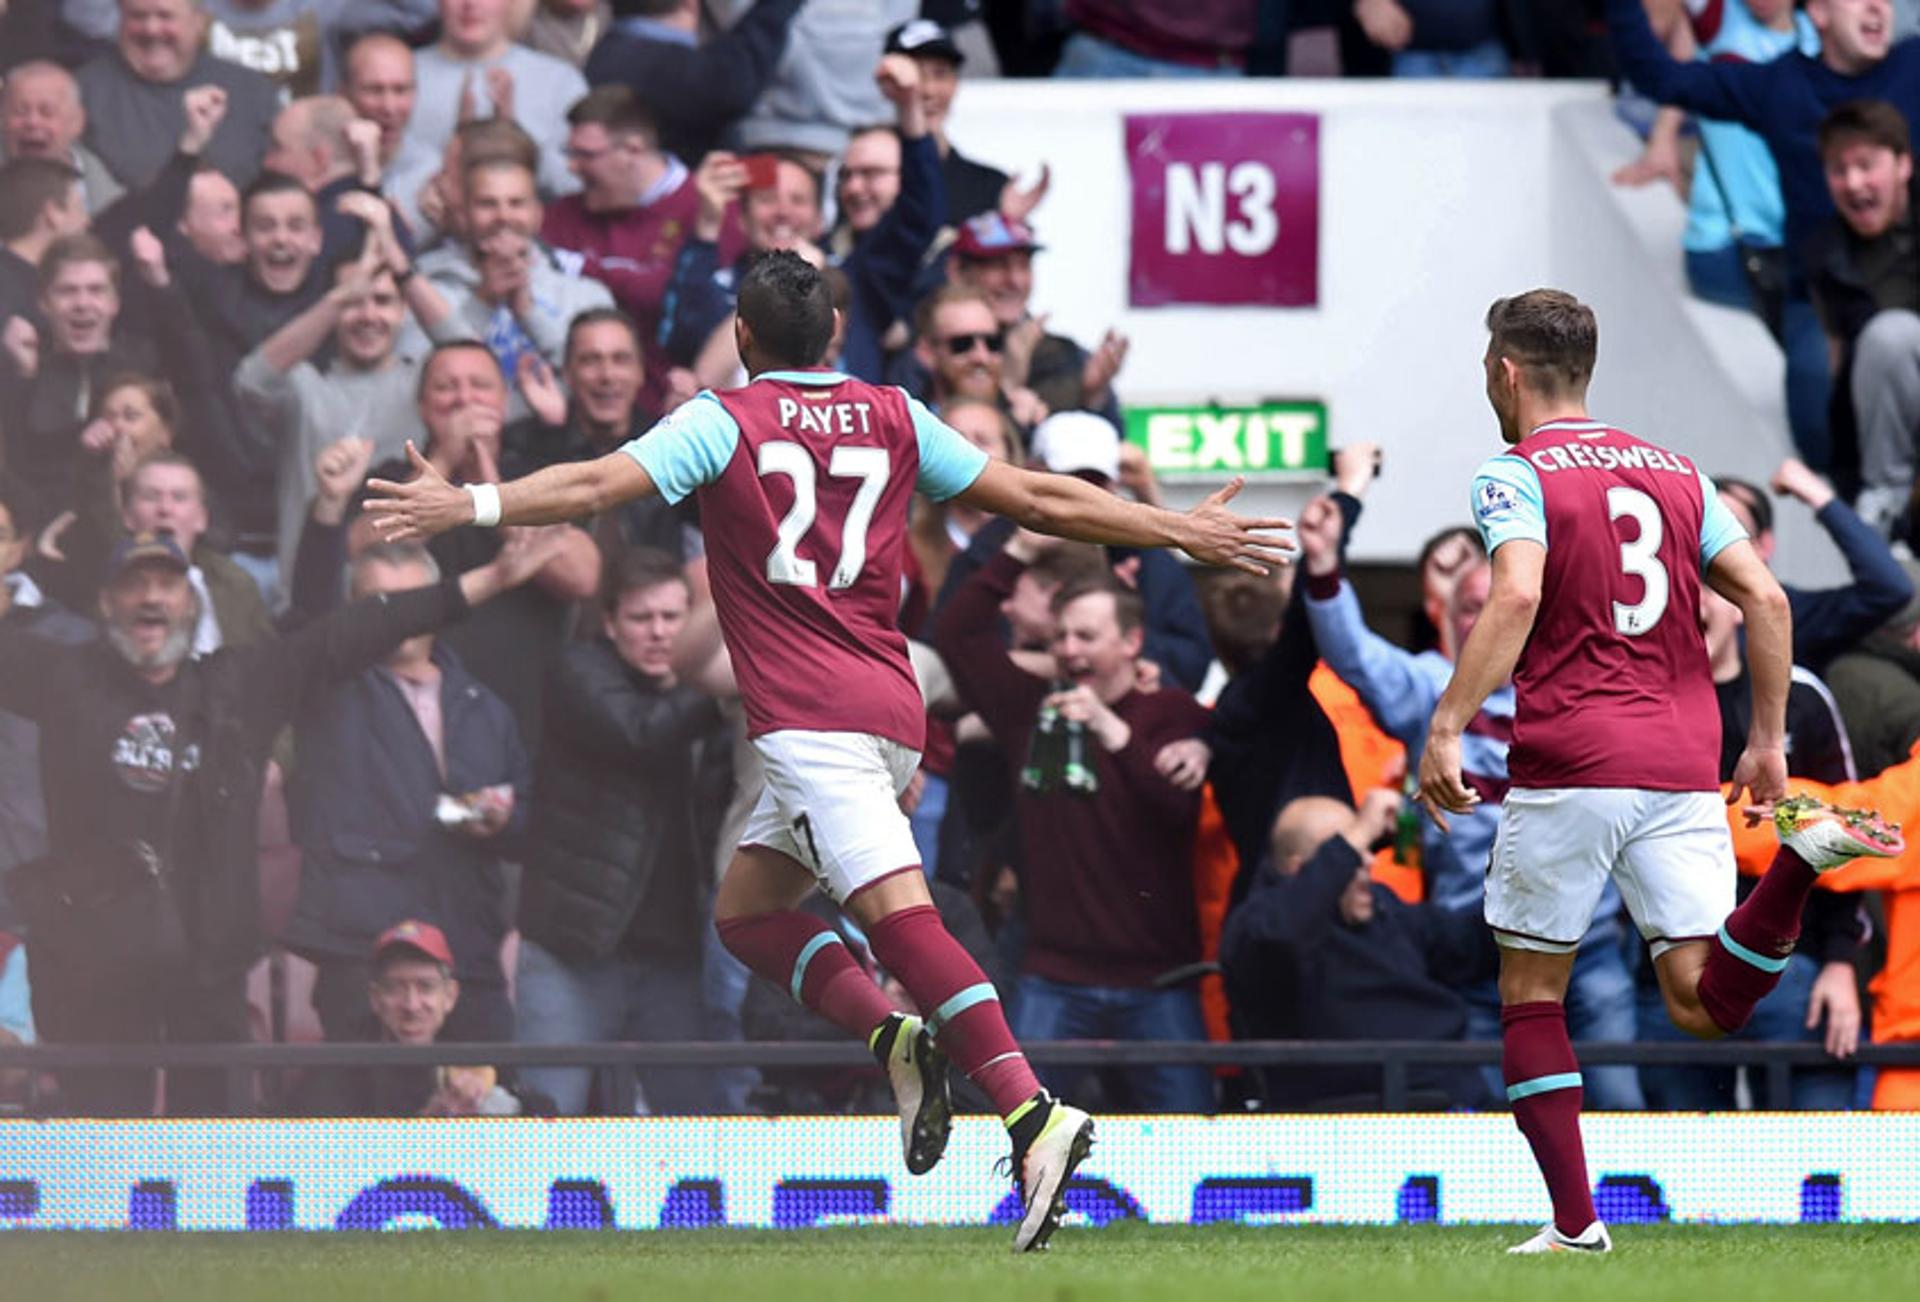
(1388, 679)
(688, 447)
(1718, 529)
(1508, 503)
(16, 1002)
(948, 463)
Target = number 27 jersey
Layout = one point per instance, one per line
(1613, 687)
(804, 480)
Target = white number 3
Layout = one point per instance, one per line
(1640, 558)
(871, 466)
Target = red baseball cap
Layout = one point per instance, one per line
(423, 937)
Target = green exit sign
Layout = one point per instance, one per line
(1208, 441)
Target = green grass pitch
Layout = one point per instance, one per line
(1115, 1264)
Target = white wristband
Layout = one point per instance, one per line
(486, 504)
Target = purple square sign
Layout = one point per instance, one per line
(1226, 208)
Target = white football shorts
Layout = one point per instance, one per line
(1670, 852)
(833, 803)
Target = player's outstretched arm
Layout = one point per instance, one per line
(1066, 507)
(1738, 574)
(1486, 661)
(427, 504)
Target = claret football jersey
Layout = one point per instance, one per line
(1613, 687)
(804, 480)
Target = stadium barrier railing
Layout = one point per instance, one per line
(1394, 1058)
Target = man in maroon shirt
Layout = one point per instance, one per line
(634, 210)
(805, 475)
(1106, 878)
(1600, 543)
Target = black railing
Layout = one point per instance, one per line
(1394, 1058)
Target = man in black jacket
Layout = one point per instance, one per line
(617, 898)
(153, 765)
(1317, 951)
(409, 793)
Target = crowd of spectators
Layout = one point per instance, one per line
(263, 775)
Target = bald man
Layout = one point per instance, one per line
(41, 116)
(379, 82)
(1318, 951)
(313, 142)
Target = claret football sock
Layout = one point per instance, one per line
(960, 1004)
(1543, 1085)
(805, 957)
(1755, 943)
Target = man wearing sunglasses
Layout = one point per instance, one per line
(964, 351)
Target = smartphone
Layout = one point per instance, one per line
(763, 171)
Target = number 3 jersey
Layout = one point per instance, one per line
(804, 480)
(1613, 687)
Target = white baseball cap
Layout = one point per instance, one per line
(1076, 442)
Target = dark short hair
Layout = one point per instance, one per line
(270, 183)
(594, 316)
(166, 405)
(495, 138)
(77, 248)
(636, 569)
(452, 346)
(1128, 609)
(785, 301)
(27, 187)
(1243, 616)
(946, 296)
(498, 162)
(1865, 122)
(616, 108)
(1550, 335)
(1067, 563)
(1749, 495)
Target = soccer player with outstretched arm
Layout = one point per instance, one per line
(1600, 543)
(804, 478)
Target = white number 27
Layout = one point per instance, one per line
(871, 466)
(1640, 558)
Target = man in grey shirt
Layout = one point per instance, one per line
(476, 61)
(133, 93)
(368, 390)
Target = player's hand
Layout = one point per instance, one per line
(202, 109)
(420, 508)
(1216, 536)
(1319, 530)
(1761, 772)
(1836, 998)
(1442, 791)
(1184, 763)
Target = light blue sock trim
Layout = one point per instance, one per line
(1746, 955)
(1526, 1089)
(960, 1003)
(813, 947)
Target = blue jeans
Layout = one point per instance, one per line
(1600, 1006)
(617, 998)
(1089, 56)
(1054, 1010)
(1782, 1015)
(928, 815)
(1718, 276)
(724, 979)
(1487, 59)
